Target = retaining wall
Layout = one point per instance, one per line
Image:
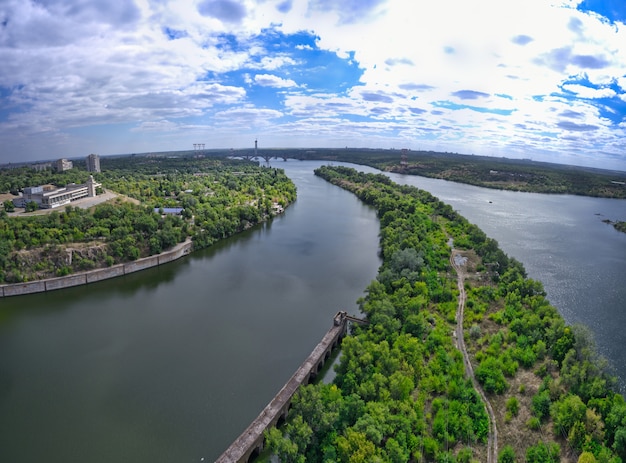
(66, 281)
(141, 264)
(105, 273)
(92, 276)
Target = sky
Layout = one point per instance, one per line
(536, 79)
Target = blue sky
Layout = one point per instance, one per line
(535, 79)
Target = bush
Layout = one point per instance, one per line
(62, 271)
(490, 375)
(512, 405)
(507, 455)
(534, 424)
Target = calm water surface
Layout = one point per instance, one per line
(171, 364)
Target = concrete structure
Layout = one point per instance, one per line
(63, 164)
(48, 197)
(250, 443)
(93, 163)
(42, 166)
(169, 210)
(93, 276)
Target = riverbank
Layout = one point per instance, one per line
(93, 276)
(484, 171)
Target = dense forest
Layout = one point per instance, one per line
(218, 197)
(402, 394)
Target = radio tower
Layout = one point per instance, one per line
(404, 159)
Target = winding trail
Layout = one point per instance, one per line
(456, 260)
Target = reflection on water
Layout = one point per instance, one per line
(172, 363)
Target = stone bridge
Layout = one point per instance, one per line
(250, 443)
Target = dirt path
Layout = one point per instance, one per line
(457, 262)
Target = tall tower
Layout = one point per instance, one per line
(255, 148)
(91, 187)
(404, 158)
(93, 163)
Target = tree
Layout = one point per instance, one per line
(31, 206)
(619, 444)
(586, 457)
(541, 404)
(355, 448)
(490, 375)
(567, 412)
(282, 446)
(543, 453)
(9, 206)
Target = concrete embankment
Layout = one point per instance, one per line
(251, 441)
(92, 276)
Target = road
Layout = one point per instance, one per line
(457, 262)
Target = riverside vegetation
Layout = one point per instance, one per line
(487, 171)
(219, 197)
(401, 393)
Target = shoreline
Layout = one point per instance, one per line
(100, 274)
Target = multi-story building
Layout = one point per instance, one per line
(93, 163)
(47, 196)
(42, 166)
(63, 164)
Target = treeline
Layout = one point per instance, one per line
(401, 393)
(485, 171)
(218, 198)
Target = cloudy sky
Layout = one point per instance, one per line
(540, 79)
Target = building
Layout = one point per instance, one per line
(169, 210)
(42, 166)
(63, 164)
(48, 197)
(93, 163)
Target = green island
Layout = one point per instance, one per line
(619, 226)
(486, 171)
(213, 198)
(402, 392)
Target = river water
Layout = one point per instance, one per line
(171, 364)
(562, 242)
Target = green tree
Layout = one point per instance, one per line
(586, 457)
(489, 373)
(543, 453)
(9, 206)
(566, 412)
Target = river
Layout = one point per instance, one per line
(562, 242)
(171, 364)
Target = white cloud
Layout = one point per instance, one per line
(268, 80)
(589, 93)
(69, 64)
